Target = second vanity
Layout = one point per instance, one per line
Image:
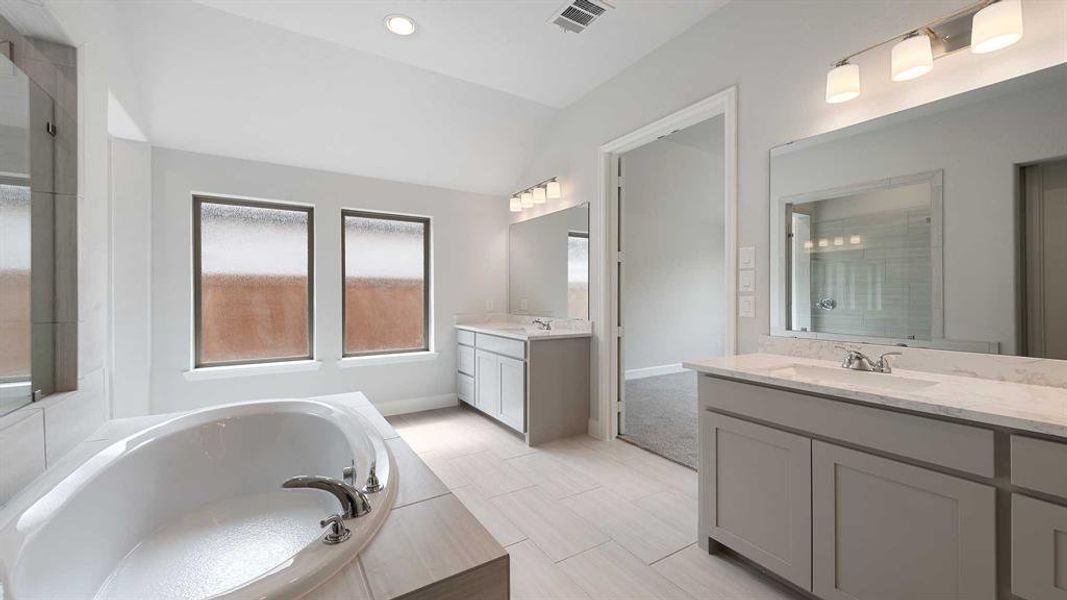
(865, 485)
(532, 380)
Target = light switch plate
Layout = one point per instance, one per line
(746, 306)
(746, 257)
(746, 280)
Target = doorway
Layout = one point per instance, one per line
(1044, 249)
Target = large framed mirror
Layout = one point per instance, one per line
(933, 227)
(548, 265)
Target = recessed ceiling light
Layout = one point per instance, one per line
(400, 25)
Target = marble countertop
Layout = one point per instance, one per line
(523, 332)
(1026, 407)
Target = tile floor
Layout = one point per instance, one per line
(581, 518)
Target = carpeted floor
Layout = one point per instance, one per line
(661, 415)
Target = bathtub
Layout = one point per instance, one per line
(193, 508)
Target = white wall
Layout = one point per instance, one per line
(673, 294)
(977, 145)
(777, 52)
(469, 235)
(131, 250)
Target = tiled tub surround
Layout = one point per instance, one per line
(962, 478)
(429, 546)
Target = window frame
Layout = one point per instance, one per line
(426, 273)
(198, 201)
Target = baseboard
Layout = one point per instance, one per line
(411, 405)
(654, 371)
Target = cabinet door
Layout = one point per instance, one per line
(487, 382)
(884, 529)
(1038, 549)
(513, 393)
(756, 493)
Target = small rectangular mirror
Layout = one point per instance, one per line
(548, 265)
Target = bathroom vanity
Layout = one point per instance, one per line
(862, 485)
(532, 380)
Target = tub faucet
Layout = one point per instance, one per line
(354, 503)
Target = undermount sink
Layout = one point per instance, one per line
(886, 381)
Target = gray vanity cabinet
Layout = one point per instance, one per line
(885, 529)
(758, 488)
(512, 391)
(1038, 549)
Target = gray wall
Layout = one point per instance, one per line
(673, 293)
(469, 236)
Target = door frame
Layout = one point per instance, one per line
(604, 210)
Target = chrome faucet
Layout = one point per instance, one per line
(543, 324)
(858, 361)
(354, 503)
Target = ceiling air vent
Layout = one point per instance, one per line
(579, 14)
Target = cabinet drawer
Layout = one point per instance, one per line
(465, 388)
(961, 447)
(465, 337)
(1038, 549)
(465, 359)
(505, 346)
(1040, 465)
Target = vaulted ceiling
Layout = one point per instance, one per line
(321, 84)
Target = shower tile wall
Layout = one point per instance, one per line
(880, 280)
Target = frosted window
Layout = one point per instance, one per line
(578, 276)
(14, 286)
(386, 274)
(254, 284)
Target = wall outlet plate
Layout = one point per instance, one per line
(746, 257)
(746, 306)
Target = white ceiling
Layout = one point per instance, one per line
(507, 45)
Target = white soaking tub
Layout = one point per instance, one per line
(193, 508)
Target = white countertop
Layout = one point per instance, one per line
(524, 333)
(1020, 406)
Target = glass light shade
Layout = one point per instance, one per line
(997, 26)
(912, 57)
(842, 83)
(516, 204)
(539, 195)
(554, 190)
(527, 199)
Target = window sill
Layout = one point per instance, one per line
(266, 368)
(386, 359)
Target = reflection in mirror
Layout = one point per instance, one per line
(861, 261)
(15, 286)
(941, 226)
(548, 265)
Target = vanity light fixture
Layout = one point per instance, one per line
(912, 57)
(855, 240)
(808, 244)
(540, 193)
(985, 26)
(997, 26)
(839, 241)
(400, 24)
(824, 243)
(553, 190)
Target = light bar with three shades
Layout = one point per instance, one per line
(995, 24)
(548, 189)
